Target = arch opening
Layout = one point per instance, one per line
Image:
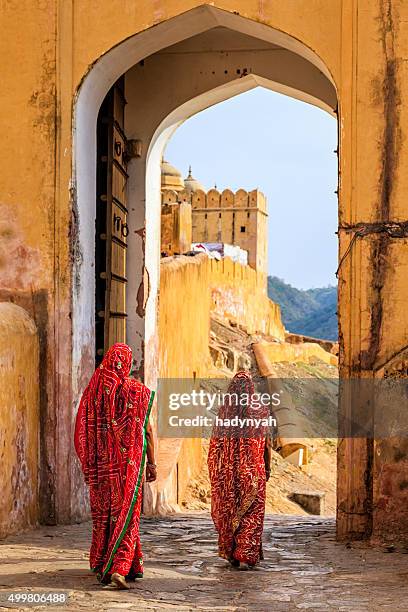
(222, 291)
(196, 60)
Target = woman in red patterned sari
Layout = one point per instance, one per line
(239, 466)
(112, 438)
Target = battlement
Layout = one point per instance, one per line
(217, 200)
(238, 218)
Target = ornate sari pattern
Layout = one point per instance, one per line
(110, 440)
(238, 484)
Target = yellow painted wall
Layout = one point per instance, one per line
(184, 317)
(19, 419)
(238, 293)
(191, 288)
(51, 45)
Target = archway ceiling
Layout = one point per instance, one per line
(220, 39)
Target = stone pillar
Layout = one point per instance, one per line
(373, 292)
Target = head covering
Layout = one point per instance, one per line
(110, 440)
(240, 401)
(99, 401)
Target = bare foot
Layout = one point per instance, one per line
(119, 582)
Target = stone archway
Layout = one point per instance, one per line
(369, 133)
(299, 72)
(259, 55)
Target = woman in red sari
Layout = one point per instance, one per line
(239, 466)
(112, 438)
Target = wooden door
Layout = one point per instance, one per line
(111, 222)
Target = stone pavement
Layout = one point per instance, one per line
(304, 569)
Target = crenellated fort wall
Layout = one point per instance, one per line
(232, 218)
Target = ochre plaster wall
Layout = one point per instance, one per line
(191, 288)
(19, 419)
(51, 46)
(238, 293)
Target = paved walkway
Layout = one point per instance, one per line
(304, 569)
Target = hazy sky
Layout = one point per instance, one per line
(261, 139)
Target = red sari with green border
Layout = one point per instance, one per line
(110, 440)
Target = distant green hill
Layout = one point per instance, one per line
(311, 312)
